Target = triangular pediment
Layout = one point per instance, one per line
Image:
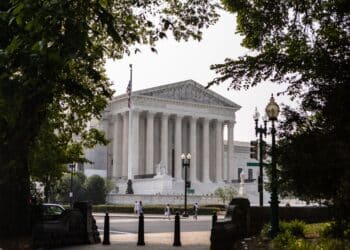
(187, 91)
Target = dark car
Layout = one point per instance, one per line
(52, 211)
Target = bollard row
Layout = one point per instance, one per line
(141, 231)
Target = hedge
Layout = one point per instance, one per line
(151, 209)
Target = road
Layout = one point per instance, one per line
(154, 225)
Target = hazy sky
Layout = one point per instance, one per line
(191, 60)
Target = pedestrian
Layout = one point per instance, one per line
(136, 207)
(140, 208)
(195, 210)
(167, 211)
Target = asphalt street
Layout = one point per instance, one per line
(154, 225)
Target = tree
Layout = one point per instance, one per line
(53, 151)
(51, 62)
(96, 189)
(225, 193)
(305, 44)
(79, 188)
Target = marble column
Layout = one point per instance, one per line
(164, 140)
(193, 149)
(135, 143)
(150, 143)
(178, 146)
(230, 166)
(206, 156)
(116, 171)
(219, 140)
(125, 144)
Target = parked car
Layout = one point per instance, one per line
(52, 211)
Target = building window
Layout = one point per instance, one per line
(250, 174)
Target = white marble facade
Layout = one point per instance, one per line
(167, 121)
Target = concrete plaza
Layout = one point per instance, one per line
(154, 241)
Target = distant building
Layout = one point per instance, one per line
(167, 121)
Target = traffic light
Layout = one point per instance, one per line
(254, 149)
(265, 150)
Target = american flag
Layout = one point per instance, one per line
(129, 88)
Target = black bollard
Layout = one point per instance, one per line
(106, 231)
(177, 242)
(141, 236)
(214, 220)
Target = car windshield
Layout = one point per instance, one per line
(52, 209)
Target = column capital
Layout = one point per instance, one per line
(134, 111)
(229, 122)
(151, 113)
(194, 117)
(165, 115)
(179, 117)
(206, 119)
(220, 120)
(115, 117)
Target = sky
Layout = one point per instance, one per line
(176, 61)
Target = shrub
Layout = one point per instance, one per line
(221, 206)
(295, 227)
(265, 231)
(150, 209)
(284, 240)
(336, 230)
(225, 194)
(96, 189)
(333, 244)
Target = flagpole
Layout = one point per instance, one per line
(130, 176)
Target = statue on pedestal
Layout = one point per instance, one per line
(161, 169)
(242, 191)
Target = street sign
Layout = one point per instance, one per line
(252, 164)
(190, 190)
(256, 164)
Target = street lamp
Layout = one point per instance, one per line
(72, 168)
(272, 111)
(186, 159)
(261, 131)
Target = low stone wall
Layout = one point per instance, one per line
(161, 199)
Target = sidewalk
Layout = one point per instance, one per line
(153, 241)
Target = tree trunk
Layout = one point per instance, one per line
(15, 217)
(15, 229)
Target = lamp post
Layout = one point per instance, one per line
(71, 167)
(260, 131)
(272, 111)
(186, 159)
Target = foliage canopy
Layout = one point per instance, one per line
(305, 44)
(52, 78)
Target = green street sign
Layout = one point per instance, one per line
(190, 190)
(252, 164)
(256, 164)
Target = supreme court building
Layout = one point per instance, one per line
(164, 122)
